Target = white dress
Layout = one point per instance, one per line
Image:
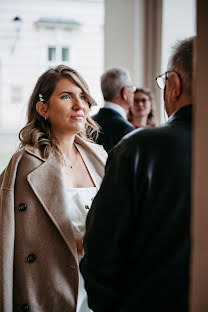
(80, 200)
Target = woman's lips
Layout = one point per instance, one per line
(77, 117)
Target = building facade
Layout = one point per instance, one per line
(35, 35)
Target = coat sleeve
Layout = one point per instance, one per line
(7, 233)
(107, 241)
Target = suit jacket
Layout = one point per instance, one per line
(112, 127)
(140, 223)
(38, 256)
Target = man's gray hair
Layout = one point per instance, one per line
(112, 81)
(181, 62)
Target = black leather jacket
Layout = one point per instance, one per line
(137, 238)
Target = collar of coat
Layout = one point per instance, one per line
(95, 149)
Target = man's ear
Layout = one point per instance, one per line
(42, 109)
(176, 86)
(124, 93)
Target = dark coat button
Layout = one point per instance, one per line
(87, 207)
(25, 307)
(31, 258)
(22, 207)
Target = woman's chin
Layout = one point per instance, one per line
(78, 128)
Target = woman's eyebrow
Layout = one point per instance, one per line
(68, 92)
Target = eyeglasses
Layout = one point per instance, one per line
(137, 101)
(161, 80)
(133, 87)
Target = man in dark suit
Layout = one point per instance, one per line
(118, 93)
(137, 241)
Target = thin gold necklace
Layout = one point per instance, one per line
(71, 166)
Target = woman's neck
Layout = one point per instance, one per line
(140, 122)
(66, 145)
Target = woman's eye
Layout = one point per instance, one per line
(66, 96)
(82, 97)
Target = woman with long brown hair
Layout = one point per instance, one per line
(46, 192)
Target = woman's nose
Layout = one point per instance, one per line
(77, 103)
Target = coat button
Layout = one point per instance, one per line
(31, 258)
(25, 307)
(22, 207)
(87, 207)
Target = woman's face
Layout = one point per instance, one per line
(68, 108)
(142, 105)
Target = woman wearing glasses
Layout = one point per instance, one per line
(141, 113)
(45, 194)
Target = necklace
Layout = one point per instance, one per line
(72, 165)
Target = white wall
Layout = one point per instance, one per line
(178, 22)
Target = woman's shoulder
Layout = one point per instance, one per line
(93, 147)
(26, 152)
(18, 154)
(22, 154)
(23, 161)
(98, 148)
(7, 177)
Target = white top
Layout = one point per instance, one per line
(118, 108)
(80, 201)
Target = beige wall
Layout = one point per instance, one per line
(199, 295)
(133, 40)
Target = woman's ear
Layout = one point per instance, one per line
(42, 109)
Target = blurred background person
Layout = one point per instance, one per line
(118, 93)
(46, 192)
(141, 113)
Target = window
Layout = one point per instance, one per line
(65, 54)
(51, 53)
(58, 54)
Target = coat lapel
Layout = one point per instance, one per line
(47, 184)
(94, 157)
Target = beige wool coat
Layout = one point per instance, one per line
(38, 256)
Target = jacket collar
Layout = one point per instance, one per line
(34, 151)
(183, 113)
(95, 149)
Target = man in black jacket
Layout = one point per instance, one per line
(118, 93)
(137, 240)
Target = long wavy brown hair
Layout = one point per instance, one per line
(151, 117)
(37, 131)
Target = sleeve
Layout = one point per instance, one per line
(6, 245)
(107, 241)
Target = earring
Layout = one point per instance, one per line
(41, 97)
